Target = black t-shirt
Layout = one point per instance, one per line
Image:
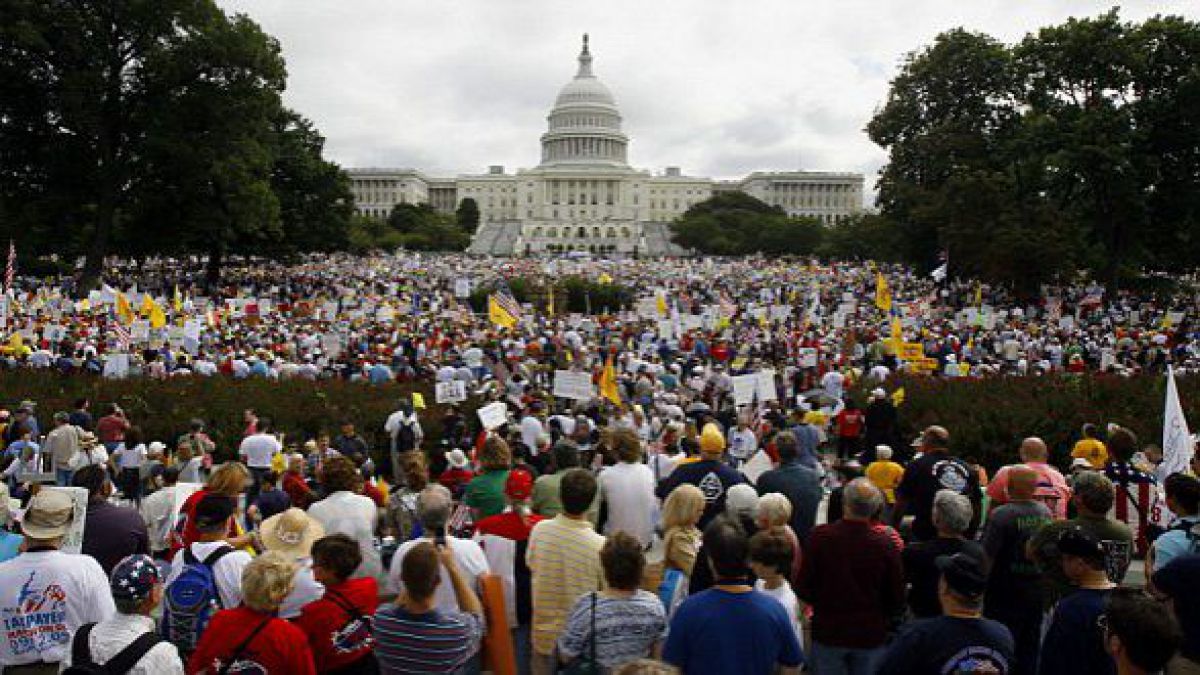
(946, 644)
(922, 480)
(922, 573)
(1179, 579)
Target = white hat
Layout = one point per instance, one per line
(156, 447)
(291, 532)
(878, 392)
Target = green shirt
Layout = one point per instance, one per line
(485, 492)
(547, 501)
(1118, 545)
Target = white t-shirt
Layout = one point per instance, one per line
(130, 458)
(45, 596)
(258, 449)
(628, 490)
(787, 598)
(742, 443)
(354, 516)
(305, 589)
(227, 572)
(531, 428)
(467, 555)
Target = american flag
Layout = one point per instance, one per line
(505, 299)
(122, 333)
(12, 265)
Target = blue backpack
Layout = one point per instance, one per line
(191, 600)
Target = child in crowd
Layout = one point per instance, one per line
(771, 562)
(271, 500)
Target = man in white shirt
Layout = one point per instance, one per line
(531, 428)
(404, 419)
(256, 451)
(137, 589)
(45, 594)
(213, 514)
(433, 510)
(742, 442)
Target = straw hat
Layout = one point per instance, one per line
(291, 533)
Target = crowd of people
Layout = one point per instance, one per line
(407, 316)
(596, 539)
(659, 515)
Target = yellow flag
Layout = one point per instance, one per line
(608, 383)
(883, 295)
(498, 314)
(124, 310)
(178, 300)
(158, 319)
(147, 305)
(16, 341)
(661, 302)
(605, 278)
(418, 401)
(550, 304)
(898, 397)
(978, 294)
(897, 330)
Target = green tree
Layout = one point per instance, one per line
(315, 202)
(735, 223)
(467, 215)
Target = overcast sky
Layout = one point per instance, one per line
(718, 87)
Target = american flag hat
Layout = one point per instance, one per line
(134, 577)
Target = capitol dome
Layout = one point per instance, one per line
(585, 124)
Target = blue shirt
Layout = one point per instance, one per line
(717, 631)
(1175, 542)
(10, 545)
(1073, 644)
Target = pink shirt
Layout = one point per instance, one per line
(1052, 489)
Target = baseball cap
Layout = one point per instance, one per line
(134, 577)
(1080, 543)
(519, 485)
(49, 514)
(213, 510)
(963, 573)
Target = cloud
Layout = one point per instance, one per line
(715, 87)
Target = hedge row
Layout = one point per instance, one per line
(301, 409)
(988, 419)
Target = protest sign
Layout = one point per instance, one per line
(766, 386)
(574, 385)
(493, 415)
(116, 366)
(744, 388)
(454, 391)
(911, 351)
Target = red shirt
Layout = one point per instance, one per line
(279, 647)
(111, 429)
(508, 525)
(850, 423)
(453, 479)
(297, 490)
(336, 642)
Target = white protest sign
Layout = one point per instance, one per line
(191, 329)
(116, 366)
(182, 492)
(140, 330)
(454, 391)
(766, 386)
(839, 320)
(493, 415)
(756, 466)
(574, 385)
(462, 288)
(744, 388)
(808, 357)
(666, 328)
(175, 336)
(73, 541)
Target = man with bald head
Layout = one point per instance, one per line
(1051, 489)
(1014, 589)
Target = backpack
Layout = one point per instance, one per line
(406, 438)
(191, 600)
(122, 662)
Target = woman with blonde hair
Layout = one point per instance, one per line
(401, 514)
(774, 514)
(681, 542)
(229, 480)
(485, 492)
(251, 638)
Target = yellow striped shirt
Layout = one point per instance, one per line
(564, 557)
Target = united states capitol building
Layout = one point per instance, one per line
(584, 196)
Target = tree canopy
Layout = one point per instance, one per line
(1076, 148)
(146, 127)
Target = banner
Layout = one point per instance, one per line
(493, 415)
(911, 351)
(1177, 444)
